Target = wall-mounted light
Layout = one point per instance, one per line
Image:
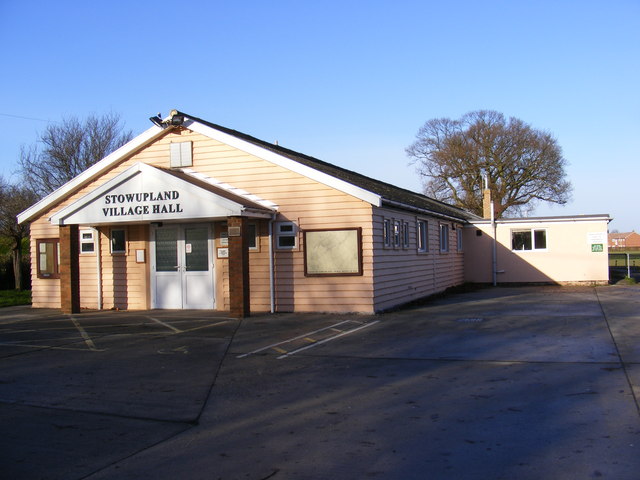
(157, 121)
(175, 120)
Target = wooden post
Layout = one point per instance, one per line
(239, 295)
(69, 269)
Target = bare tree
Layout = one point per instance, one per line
(523, 165)
(13, 200)
(66, 149)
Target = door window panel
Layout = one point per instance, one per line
(166, 250)
(196, 249)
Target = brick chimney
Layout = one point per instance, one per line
(486, 203)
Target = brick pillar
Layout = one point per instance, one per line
(239, 295)
(69, 269)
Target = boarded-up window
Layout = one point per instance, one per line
(333, 252)
(181, 154)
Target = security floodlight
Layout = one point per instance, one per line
(157, 121)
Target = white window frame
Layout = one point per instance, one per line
(396, 234)
(87, 239)
(459, 246)
(386, 232)
(255, 237)
(286, 230)
(444, 237)
(422, 236)
(405, 235)
(124, 240)
(532, 232)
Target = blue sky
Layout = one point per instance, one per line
(349, 82)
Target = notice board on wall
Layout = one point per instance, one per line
(333, 252)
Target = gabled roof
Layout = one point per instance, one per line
(389, 195)
(621, 236)
(373, 191)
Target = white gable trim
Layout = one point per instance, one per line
(284, 162)
(143, 193)
(92, 172)
(155, 132)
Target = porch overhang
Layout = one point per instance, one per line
(143, 194)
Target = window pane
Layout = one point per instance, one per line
(86, 247)
(117, 241)
(286, 242)
(387, 232)
(396, 234)
(423, 246)
(521, 240)
(48, 255)
(46, 258)
(196, 249)
(251, 236)
(444, 238)
(167, 250)
(405, 234)
(540, 239)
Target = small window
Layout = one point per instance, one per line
(422, 234)
(533, 239)
(181, 155)
(444, 237)
(459, 231)
(286, 235)
(87, 241)
(48, 258)
(386, 232)
(118, 243)
(396, 233)
(252, 236)
(405, 234)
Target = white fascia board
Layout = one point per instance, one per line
(57, 218)
(560, 219)
(199, 203)
(92, 172)
(285, 162)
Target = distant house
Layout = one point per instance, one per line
(624, 240)
(193, 215)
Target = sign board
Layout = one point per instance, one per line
(597, 237)
(333, 252)
(143, 193)
(597, 247)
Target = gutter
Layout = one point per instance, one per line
(424, 211)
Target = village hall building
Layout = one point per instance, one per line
(193, 215)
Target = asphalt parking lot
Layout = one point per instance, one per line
(504, 383)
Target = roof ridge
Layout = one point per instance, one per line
(410, 197)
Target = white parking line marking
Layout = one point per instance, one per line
(347, 332)
(47, 347)
(292, 339)
(205, 326)
(171, 327)
(84, 335)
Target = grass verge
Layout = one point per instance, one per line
(9, 298)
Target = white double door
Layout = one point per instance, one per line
(182, 267)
